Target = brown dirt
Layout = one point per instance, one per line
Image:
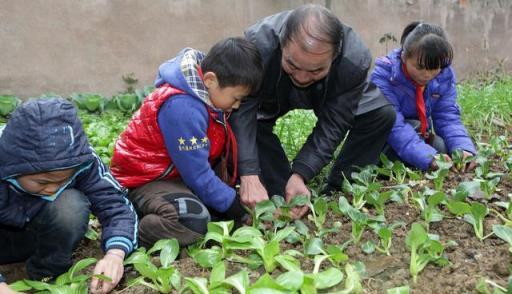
(469, 260)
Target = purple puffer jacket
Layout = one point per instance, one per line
(441, 106)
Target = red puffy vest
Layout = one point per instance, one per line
(140, 155)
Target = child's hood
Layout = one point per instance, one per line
(43, 135)
(184, 72)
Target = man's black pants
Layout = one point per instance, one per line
(362, 147)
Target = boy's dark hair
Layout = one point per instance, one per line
(315, 21)
(428, 43)
(236, 62)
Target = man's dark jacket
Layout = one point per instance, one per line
(335, 100)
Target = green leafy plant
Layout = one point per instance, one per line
(89, 102)
(378, 200)
(423, 250)
(476, 217)
(438, 176)
(428, 203)
(8, 104)
(398, 290)
(127, 102)
(504, 233)
(488, 186)
(385, 234)
(359, 219)
(459, 162)
(318, 214)
(162, 279)
(359, 192)
(396, 171)
(70, 282)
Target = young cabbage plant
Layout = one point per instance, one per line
(366, 175)
(506, 217)
(321, 280)
(385, 233)
(8, 104)
(428, 203)
(476, 218)
(318, 215)
(352, 282)
(438, 176)
(269, 253)
(504, 233)
(126, 102)
(162, 279)
(357, 191)
(89, 102)
(378, 200)
(70, 282)
(459, 161)
(215, 284)
(359, 219)
(396, 171)
(489, 186)
(423, 250)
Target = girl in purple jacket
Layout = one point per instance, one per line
(419, 81)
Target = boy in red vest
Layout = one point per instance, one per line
(178, 155)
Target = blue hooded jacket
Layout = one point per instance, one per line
(186, 116)
(44, 135)
(441, 107)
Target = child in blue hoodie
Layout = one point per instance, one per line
(420, 83)
(178, 155)
(50, 180)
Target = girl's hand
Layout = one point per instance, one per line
(111, 266)
(470, 165)
(433, 164)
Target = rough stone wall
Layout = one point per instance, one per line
(66, 46)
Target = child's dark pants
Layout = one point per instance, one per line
(48, 240)
(168, 209)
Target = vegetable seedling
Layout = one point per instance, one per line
(423, 250)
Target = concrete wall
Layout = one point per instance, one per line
(66, 46)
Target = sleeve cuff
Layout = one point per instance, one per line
(121, 243)
(248, 167)
(303, 170)
(236, 210)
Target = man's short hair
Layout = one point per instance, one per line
(236, 62)
(316, 22)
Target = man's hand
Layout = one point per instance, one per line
(252, 191)
(111, 266)
(4, 289)
(433, 164)
(294, 187)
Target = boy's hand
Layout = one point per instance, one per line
(252, 191)
(111, 266)
(4, 289)
(294, 187)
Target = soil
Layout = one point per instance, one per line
(470, 259)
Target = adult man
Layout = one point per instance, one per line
(312, 61)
